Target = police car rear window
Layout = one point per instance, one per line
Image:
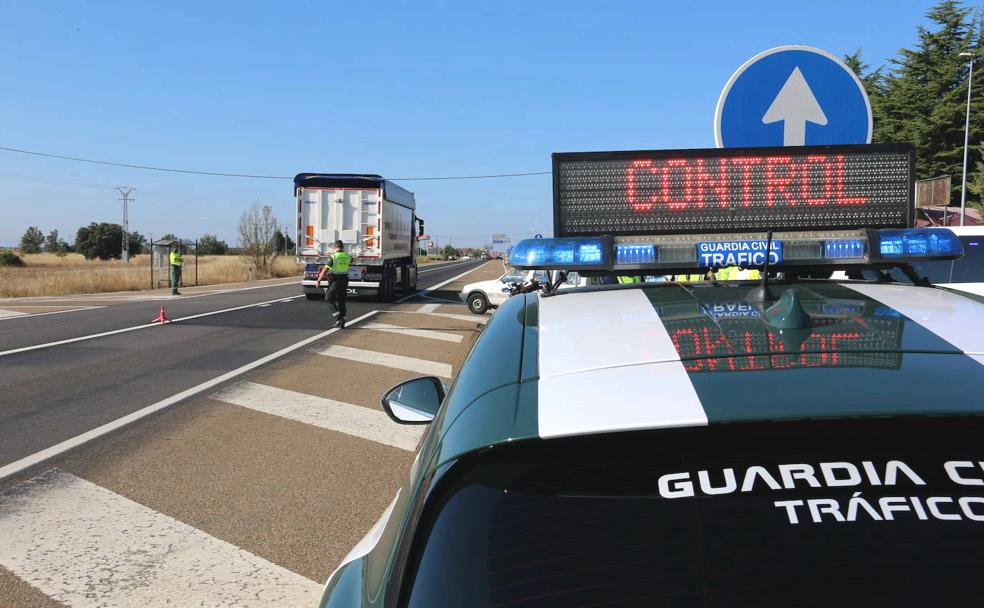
(822, 513)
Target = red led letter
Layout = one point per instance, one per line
(688, 184)
(806, 183)
(631, 185)
(746, 162)
(776, 183)
(843, 199)
(719, 185)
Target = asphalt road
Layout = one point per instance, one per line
(53, 393)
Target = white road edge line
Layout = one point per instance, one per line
(70, 444)
(443, 266)
(29, 315)
(142, 296)
(436, 287)
(135, 328)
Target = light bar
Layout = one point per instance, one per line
(582, 253)
(635, 254)
(848, 248)
(919, 243)
(670, 254)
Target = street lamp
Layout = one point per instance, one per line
(963, 185)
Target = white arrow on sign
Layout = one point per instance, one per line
(795, 105)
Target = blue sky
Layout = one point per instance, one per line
(402, 89)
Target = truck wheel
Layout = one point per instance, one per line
(410, 287)
(477, 303)
(314, 296)
(386, 285)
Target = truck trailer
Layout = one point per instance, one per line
(374, 218)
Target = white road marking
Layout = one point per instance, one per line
(415, 333)
(140, 297)
(88, 547)
(421, 366)
(28, 315)
(9, 314)
(441, 301)
(69, 444)
(439, 285)
(347, 418)
(450, 315)
(443, 266)
(135, 328)
(428, 308)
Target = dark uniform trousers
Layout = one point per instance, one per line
(337, 293)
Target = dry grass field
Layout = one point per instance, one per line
(46, 274)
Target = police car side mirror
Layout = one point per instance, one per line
(414, 401)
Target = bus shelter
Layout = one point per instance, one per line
(160, 262)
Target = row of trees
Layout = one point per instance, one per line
(104, 241)
(921, 96)
(97, 240)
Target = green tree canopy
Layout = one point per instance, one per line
(53, 244)
(32, 240)
(922, 97)
(105, 241)
(209, 244)
(282, 242)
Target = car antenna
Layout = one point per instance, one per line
(762, 292)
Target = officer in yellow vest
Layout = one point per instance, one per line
(174, 258)
(337, 270)
(627, 280)
(733, 273)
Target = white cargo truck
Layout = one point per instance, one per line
(375, 219)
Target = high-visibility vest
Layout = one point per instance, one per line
(175, 258)
(625, 280)
(340, 262)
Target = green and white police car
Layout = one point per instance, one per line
(719, 443)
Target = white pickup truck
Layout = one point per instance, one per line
(482, 295)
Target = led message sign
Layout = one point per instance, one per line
(733, 189)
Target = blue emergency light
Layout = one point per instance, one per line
(667, 254)
(921, 243)
(580, 253)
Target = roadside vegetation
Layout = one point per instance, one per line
(920, 96)
(47, 274)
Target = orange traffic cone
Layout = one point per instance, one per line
(162, 317)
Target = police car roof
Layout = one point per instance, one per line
(650, 356)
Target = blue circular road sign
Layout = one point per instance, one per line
(792, 96)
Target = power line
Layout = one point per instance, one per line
(143, 167)
(410, 179)
(248, 175)
(45, 180)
